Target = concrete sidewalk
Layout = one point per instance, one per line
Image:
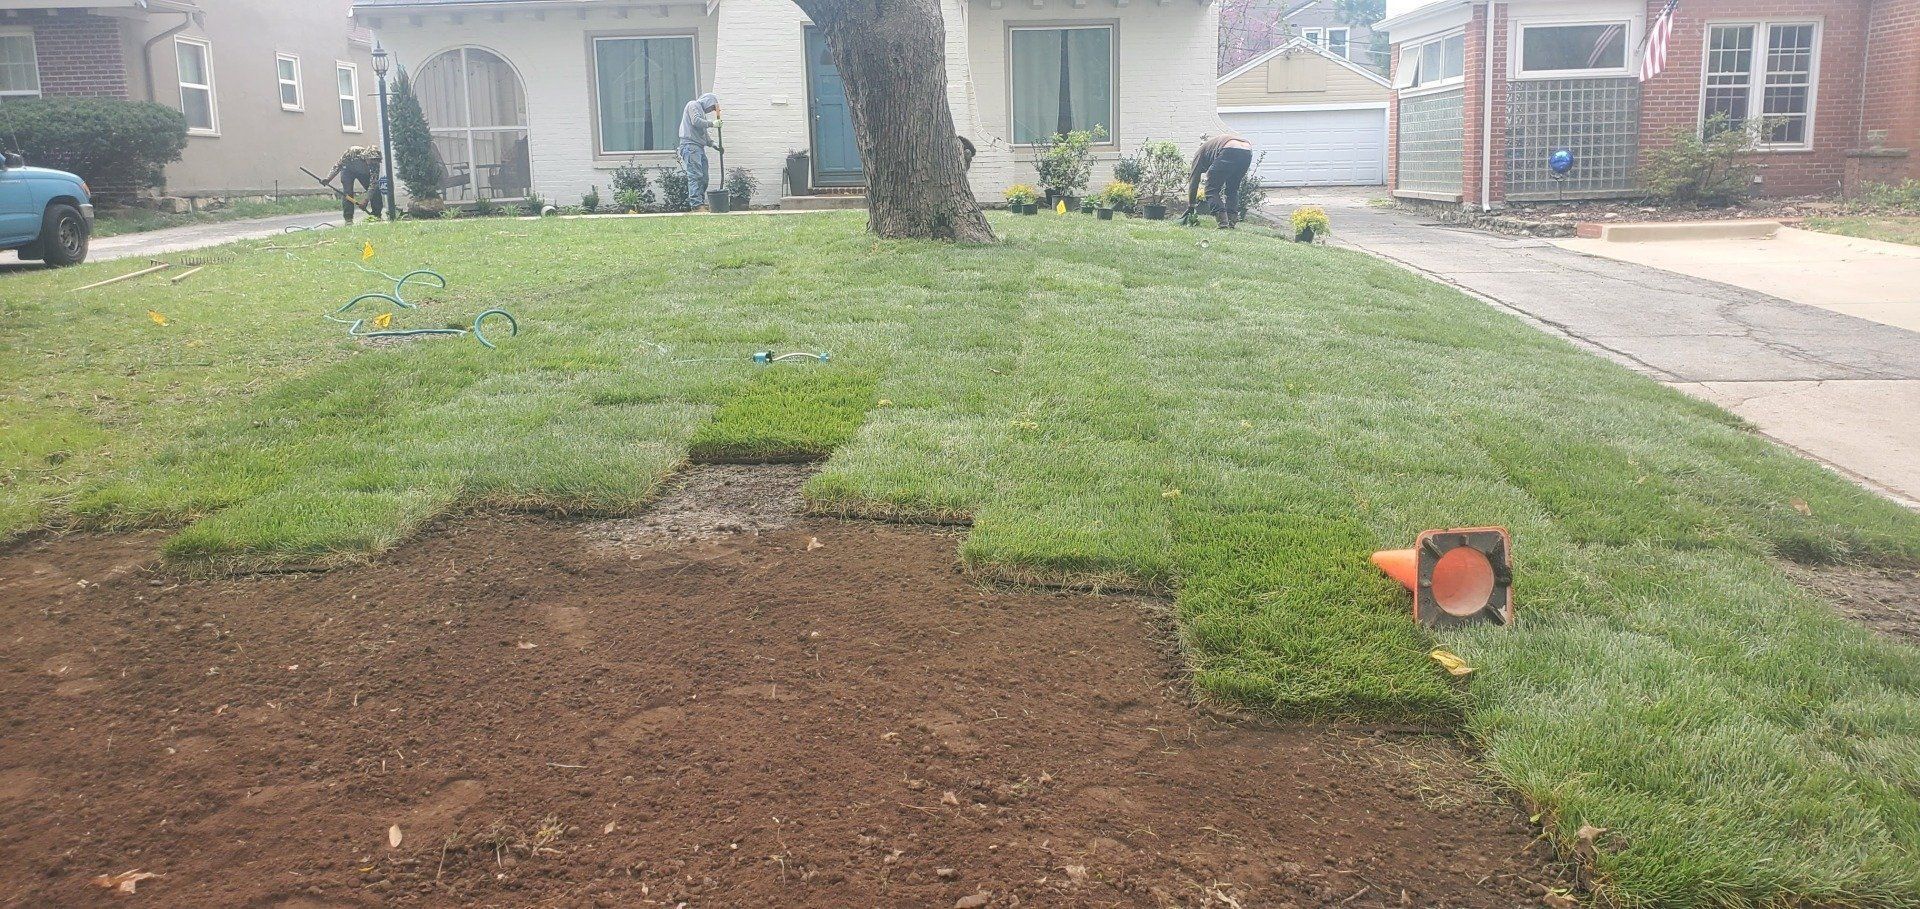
(181, 239)
(1843, 390)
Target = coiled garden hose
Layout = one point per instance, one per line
(397, 299)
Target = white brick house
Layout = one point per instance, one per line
(549, 96)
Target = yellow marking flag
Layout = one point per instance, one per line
(383, 320)
(157, 318)
(1060, 207)
(366, 251)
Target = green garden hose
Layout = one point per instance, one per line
(355, 325)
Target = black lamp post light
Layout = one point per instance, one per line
(382, 63)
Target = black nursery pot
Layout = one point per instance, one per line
(1030, 208)
(1106, 214)
(719, 201)
(1305, 235)
(1155, 212)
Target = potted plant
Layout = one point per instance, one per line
(1310, 224)
(1066, 162)
(1116, 196)
(741, 184)
(1022, 199)
(1162, 172)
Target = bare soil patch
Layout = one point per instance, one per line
(1884, 599)
(550, 716)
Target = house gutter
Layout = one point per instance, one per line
(146, 50)
(1486, 118)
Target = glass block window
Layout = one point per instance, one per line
(1760, 76)
(1432, 138)
(1598, 120)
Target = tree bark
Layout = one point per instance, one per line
(892, 57)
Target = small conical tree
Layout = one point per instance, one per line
(413, 158)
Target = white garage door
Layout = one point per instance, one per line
(1317, 147)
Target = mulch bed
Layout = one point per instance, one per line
(784, 711)
(1559, 219)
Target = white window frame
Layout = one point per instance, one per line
(1113, 75)
(213, 96)
(299, 104)
(593, 88)
(1414, 49)
(1757, 76)
(1629, 64)
(1346, 42)
(1314, 35)
(33, 49)
(359, 103)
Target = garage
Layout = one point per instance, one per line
(1343, 146)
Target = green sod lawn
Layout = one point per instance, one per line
(113, 222)
(1891, 228)
(1233, 419)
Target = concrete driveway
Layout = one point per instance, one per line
(1840, 389)
(181, 239)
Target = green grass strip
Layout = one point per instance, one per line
(789, 412)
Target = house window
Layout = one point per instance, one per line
(476, 109)
(287, 68)
(348, 77)
(1062, 81)
(1337, 42)
(19, 69)
(194, 59)
(1433, 63)
(641, 86)
(1313, 35)
(1573, 49)
(1764, 71)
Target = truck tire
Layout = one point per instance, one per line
(63, 236)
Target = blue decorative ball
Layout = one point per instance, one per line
(1560, 161)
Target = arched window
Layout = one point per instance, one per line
(477, 112)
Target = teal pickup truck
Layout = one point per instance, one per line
(45, 214)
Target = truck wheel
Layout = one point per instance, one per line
(63, 236)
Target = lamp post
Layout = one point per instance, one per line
(381, 64)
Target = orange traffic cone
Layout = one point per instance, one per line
(1458, 577)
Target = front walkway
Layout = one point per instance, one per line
(1840, 389)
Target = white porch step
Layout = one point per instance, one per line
(822, 203)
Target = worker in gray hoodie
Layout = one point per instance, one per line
(701, 114)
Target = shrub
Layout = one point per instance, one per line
(1130, 167)
(590, 203)
(484, 207)
(1163, 172)
(632, 190)
(413, 160)
(1252, 194)
(740, 185)
(1310, 222)
(119, 147)
(673, 189)
(1066, 161)
(1902, 198)
(1708, 167)
(1119, 196)
(1022, 194)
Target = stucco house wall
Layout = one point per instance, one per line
(752, 54)
(1301, 77)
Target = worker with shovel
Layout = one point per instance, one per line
(701, 115)
(360, 164)
(1223, 160)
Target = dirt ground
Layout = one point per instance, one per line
(1884, 599)
(520, 711)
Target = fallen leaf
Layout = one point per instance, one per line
(1800, 505)
(1169, 493)
(125, 881)
(976, 900)
(157, 318)
(610, 826)
(526, 645)
(1451, 662)
(393, 833)
(949, 798)
(1076, 873)
(885, 403)
(814, 543)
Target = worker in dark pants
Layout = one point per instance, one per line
(1223, 160)
(360, 165)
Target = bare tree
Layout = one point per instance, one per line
(892, 55)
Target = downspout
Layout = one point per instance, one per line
(146, 50)
(1486, 118)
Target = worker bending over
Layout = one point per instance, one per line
(700, 116)
(360, 164)
(1223, 160)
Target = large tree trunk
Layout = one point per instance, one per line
(892, 56)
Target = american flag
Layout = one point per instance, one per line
(1654, 58)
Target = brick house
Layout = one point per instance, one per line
(266, 87)
(1837, 80)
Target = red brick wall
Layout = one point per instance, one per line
(1892, 93)
(1476, 106)
(1672, 100)
(80, 55)
(1393, 118)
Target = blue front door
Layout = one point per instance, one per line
(836, 155)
